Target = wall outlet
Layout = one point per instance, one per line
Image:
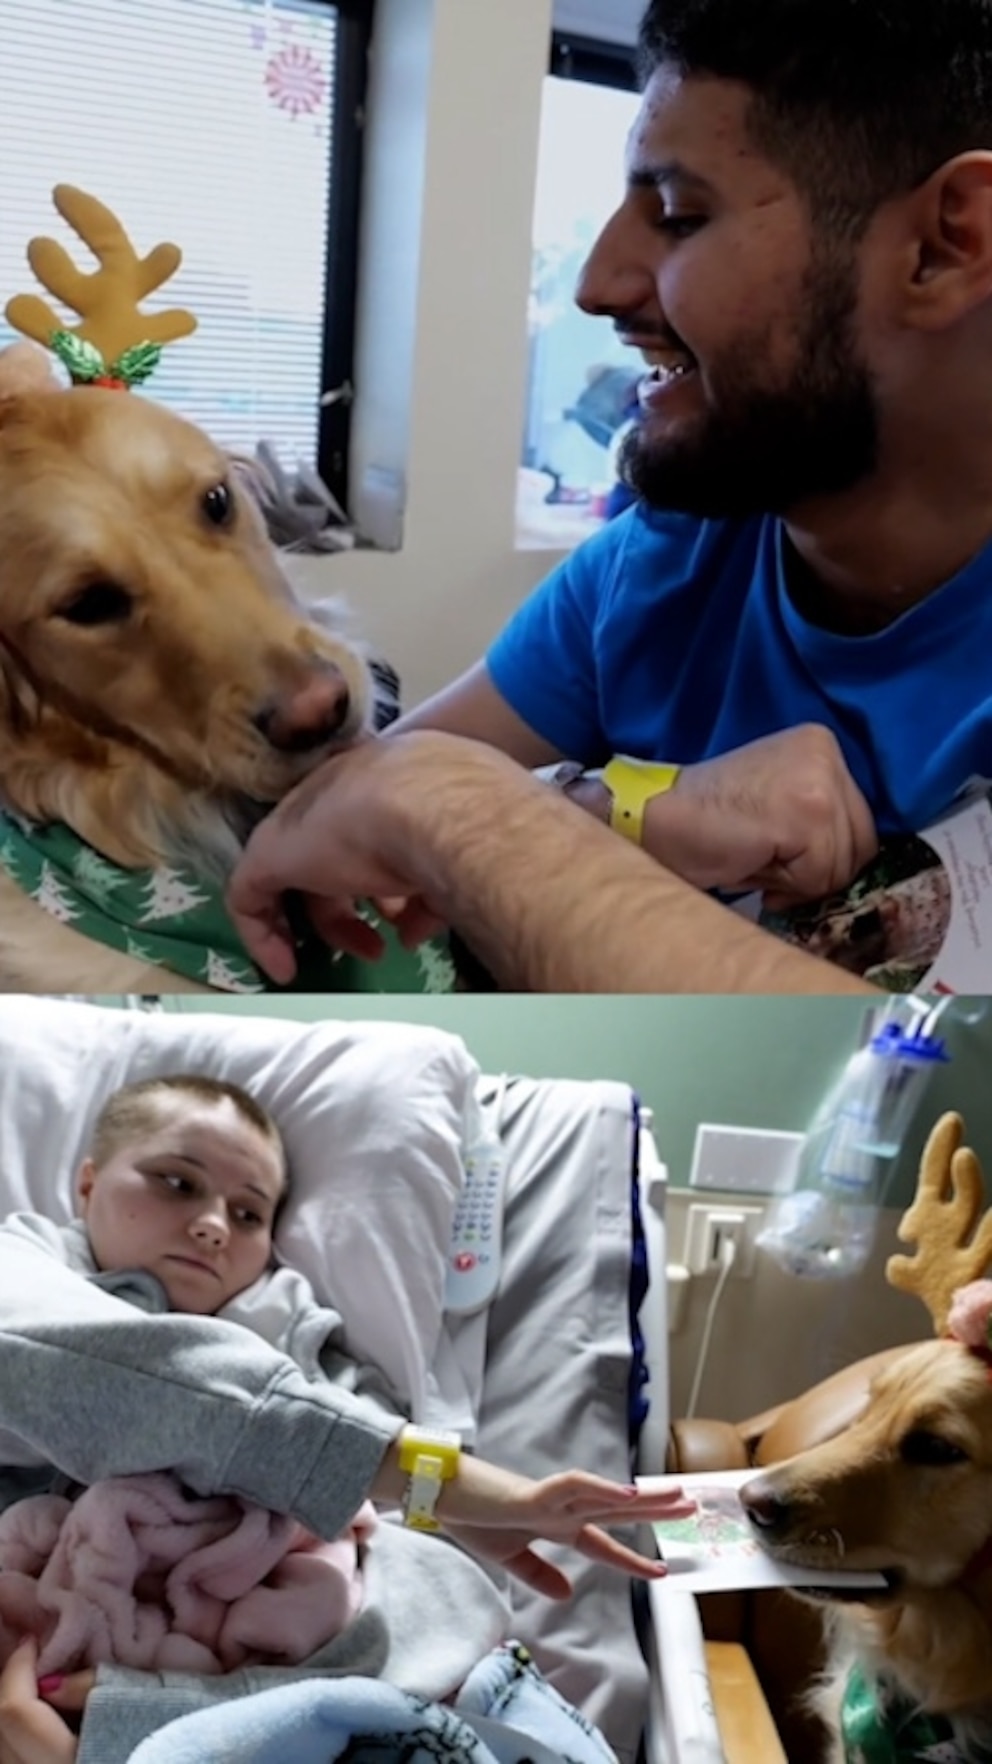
(708, 1226)
(745, 1160)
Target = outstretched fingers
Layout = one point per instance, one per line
(599, 1546)
(580, 1495)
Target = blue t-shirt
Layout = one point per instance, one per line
(670, 638)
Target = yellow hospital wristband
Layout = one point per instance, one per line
(430, 1460)
(632, 783)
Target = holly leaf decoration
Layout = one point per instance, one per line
(82, 359)
(136, 364)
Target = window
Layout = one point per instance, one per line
(580, 378)
(233, 128)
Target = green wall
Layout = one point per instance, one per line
(753, 1062)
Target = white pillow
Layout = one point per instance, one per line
(374, 1117)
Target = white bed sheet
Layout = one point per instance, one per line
(558, 1365)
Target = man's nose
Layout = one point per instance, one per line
(210, 1228)
(613, 281)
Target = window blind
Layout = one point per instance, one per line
(209, 123)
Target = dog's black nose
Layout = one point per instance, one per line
(766, 1511)
(297, 722)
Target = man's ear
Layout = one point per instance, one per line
(952, 267)
(85, 1178)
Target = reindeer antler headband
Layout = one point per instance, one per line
(115, 343)
(953, 1237)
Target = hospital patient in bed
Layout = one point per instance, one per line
(153, 1342)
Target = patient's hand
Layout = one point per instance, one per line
(30, 1731)
(499, 1515)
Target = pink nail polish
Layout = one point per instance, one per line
(53, 1681)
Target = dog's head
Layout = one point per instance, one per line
(145, 625)
(905, 1490)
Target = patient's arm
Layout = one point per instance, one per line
(472, 706)
(98, 1388)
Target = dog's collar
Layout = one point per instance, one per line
(880, 1726)
(173, 919)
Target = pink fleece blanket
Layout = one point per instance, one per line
(138, 1572)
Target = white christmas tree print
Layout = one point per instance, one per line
(95, 875)
(169, 895)
(21, 822)
(51, 894)
(229, 974)
(8, 858)
(135, 949)
(437, 968)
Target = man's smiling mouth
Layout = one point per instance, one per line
(667, 363)
(666, 369)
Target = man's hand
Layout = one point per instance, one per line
(30, 1731)
(782, 814)
(327, 841)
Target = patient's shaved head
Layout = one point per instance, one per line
(136, 1110)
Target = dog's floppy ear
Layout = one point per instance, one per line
(25, 372)
(18, 701)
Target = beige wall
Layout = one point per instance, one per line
(454, 110)
(773, 1336)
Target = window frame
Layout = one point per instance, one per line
(590, 59)
(356, 19)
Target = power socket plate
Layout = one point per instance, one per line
(702, 1237)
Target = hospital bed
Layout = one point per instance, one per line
(567, 1365)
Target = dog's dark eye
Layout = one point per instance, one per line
(218, 504)
(920, 1447)
(99, 603)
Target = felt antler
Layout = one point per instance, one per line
(114, 340)
(954, 1246)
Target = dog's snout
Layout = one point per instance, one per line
(766, 1510)
(298, 721)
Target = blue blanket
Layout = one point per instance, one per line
(505, 1713)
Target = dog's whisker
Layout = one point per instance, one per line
(831, 1536)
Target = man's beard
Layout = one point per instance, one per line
(761, 450)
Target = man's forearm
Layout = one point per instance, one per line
(552, 901)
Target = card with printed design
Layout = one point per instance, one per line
(715, 1549)
(918, 917)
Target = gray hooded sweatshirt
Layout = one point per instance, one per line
(92, 1385)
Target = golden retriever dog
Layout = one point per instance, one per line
(906, 1490)
(159, 685)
